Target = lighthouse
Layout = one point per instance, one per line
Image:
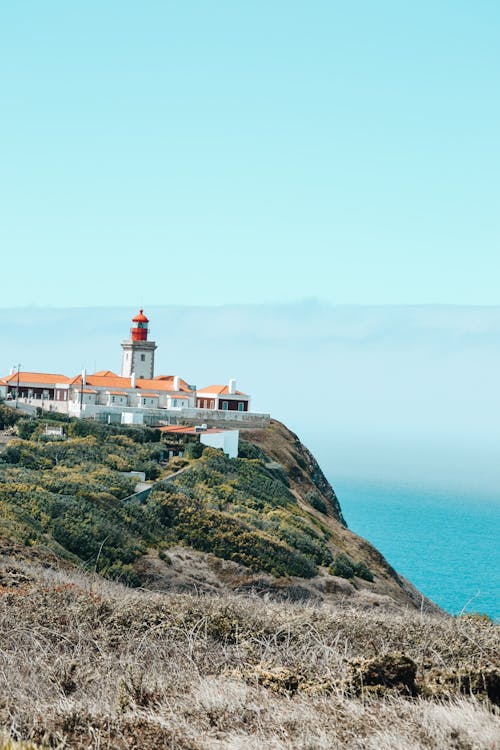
(138, 355)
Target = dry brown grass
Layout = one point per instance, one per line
(86, 663)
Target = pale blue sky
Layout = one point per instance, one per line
(219, 152)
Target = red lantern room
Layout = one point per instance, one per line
(139, 328)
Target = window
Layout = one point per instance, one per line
(241, 406)
(113, 399)
(143, 357)
(225, 405)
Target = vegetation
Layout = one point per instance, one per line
(67, 495)
(317, 502)
(241, 510)
(87, 664)
(8, 417)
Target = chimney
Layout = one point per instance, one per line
(232, 386)
(84, 377)
(132, 380)
(177, 383)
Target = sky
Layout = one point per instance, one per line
(221, 153)
(303, 196)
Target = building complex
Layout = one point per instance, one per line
(136, 395)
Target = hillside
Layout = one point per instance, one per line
(268, 520)
(251, 616)
(92, 665)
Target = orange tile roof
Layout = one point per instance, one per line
(87, 390)
(103, 379)
(117, 393)
(170, 378)
(117, 383)
(184, 398)
(178, 428)
(36, 377)
(149, 395)
(220, 390)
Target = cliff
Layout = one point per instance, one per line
(268, 521)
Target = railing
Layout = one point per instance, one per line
(224, 414)
(189, 415)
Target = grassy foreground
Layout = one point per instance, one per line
(89, 663)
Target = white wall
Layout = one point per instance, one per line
(132, 417)
(132, 362)
(226, 440)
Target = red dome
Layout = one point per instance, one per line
(141, 318)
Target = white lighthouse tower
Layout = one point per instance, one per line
(138, 353)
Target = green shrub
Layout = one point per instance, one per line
(342, 566)
(194, 450)
(316, 501)
(26, 428)
(8, 417)
(177, 462)
(249, 450)
(165, 557)
(11, 455)
(152, 470)
(361, 570)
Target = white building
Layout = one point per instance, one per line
(150, 399)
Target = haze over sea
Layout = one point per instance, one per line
(399, 404)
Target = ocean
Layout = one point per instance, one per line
(446, 543)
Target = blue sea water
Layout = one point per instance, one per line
(446, 543)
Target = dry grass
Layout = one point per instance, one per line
(85, 663)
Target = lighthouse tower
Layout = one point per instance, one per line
(138, 353)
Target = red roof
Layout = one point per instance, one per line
(36, 377)
(219, 390)
(179, 429)
(117, 383)
(140, 318)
